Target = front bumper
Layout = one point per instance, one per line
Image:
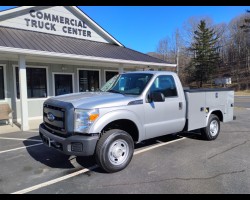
(74, 145)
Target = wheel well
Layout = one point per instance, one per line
(126, 125)
(218, 114)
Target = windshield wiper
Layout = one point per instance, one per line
(114, 91)
(130, 93)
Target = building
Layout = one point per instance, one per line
(223, 81)
(52, 50)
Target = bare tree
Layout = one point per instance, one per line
(163, 48)
(238, 51)
(233, 48)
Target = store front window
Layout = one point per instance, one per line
(2, 96)
(36, 82)
(63, 84)
(88, 80)
(110, 74)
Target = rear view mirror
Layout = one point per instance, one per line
(156, 97)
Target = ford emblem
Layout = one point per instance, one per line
(50, 117)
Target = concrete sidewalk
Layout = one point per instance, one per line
(6, 128)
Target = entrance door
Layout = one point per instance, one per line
(166, 117)
(63, 84)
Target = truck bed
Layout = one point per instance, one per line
(202, 102)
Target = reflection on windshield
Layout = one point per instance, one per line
(131, 83)
(109, 83)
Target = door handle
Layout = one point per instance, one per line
(180, 105)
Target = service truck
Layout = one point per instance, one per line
(131, 107)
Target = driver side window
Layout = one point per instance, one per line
(164, 84)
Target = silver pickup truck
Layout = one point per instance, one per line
(129, 108)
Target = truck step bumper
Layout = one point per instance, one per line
(74, 145)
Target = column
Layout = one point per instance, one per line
(156, 68)
(121, 68)
(23, 93)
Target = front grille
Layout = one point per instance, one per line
(54, 107)
(54, 127)
(57, 124)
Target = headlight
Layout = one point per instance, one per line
(84, 119)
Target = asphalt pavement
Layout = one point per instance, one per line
(179, 164)
(242, 101)
(172, 164)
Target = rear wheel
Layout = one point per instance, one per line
(114, 150)
(212, 130)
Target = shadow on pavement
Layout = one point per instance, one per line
(54, 159)
(195, 135)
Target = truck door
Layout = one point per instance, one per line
(166, 117)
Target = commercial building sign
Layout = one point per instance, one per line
(53, 23)
(57, 20)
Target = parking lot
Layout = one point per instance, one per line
(182, 163)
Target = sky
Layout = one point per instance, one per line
(142, 27)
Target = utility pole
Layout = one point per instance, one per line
(177, 50)
(177, 61)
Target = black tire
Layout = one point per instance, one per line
(114, 150)
(212, 130)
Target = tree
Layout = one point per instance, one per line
(246, 25)
(246, 29)
(168, 48)
(190, 25)
(206, 58)
(238, 58)
(163, 48)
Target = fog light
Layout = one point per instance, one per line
(76, 147)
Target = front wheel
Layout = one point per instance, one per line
(212, 130)
(114, 150)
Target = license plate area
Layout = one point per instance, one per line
(47, 140)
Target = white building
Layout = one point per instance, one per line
(223, 81)
(52, 50)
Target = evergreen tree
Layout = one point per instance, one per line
(206, 58)
(246, 25)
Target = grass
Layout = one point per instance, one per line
(243, 93)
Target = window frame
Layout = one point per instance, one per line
(109, 70)
(62, 73)
(5, 83)
(87, 69)
(47, 82)
(176, 96)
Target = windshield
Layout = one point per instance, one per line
(131, 83)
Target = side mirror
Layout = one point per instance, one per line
(156, 97)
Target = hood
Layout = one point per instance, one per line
(89, 100)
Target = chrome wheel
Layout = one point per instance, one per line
(118, 152)
(214, 127)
